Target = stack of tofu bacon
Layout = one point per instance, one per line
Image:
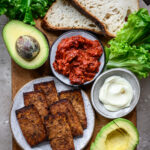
(48, 115)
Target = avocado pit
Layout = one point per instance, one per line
(27, 47)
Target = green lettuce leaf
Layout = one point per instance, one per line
(130, 48)
(137, 27)
(25, 10)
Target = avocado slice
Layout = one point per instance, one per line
(119, 134)
(13, 32)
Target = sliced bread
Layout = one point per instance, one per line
(63, 16)
(111, 14)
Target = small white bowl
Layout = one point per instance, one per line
(99, 107)
(71, 33)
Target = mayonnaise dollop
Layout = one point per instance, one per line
(116, 93)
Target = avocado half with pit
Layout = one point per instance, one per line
(119, 134)
(27, 46)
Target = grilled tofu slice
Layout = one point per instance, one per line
(75, 97)
(38, 100)
(65, 106)
(59, 132)
(49, 89)
(31, 125)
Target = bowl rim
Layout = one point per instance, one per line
(96, 76)
(137, 89)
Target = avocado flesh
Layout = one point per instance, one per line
(119, 134)
(118, 140)
(12, 31)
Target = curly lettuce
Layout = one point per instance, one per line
(130, 48)
(24, 10)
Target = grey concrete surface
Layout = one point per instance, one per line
(5, 92)
(143, 108)
(143, 115)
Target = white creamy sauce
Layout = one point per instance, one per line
(116, 93)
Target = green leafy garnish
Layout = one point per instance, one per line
(25, 10)
(130, 48)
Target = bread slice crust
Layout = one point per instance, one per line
(47, 26)
(102, 25)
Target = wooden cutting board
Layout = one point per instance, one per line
(21, 76)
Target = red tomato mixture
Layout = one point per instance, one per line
(78, 59)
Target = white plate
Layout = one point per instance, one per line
(79, 142)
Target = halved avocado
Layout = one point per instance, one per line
(119, 134)
(34, 48)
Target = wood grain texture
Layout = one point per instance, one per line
(21, 76)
